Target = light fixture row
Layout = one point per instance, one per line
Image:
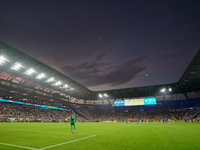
(17, 66)
(103, 95)
(164, 90)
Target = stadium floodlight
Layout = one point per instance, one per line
(65, 86)
(17, 66)
(170, 89)
(105, 95)
(100, 95)
(30, 71)
(40, 76)
(57, 83)
(71, 89)
(50, 80)
(163, 90)
(2, 60)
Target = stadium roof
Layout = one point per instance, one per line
(53, 79)
(188, 83)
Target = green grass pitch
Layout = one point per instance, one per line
(100, 136)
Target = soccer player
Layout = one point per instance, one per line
(169, 121)
(72, 122)
(138, 121)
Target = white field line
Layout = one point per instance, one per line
(47, 146)
(18, 146)
(67, 142)
(42, 131)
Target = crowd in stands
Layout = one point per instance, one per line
(186, 110)
(10, 112)
(133, 114)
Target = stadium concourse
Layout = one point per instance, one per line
(32, 91)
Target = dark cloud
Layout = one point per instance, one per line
(66, 35)
(97, 73)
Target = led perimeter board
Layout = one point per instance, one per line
(135, 102)
(41, 106)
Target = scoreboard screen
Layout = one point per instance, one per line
(119, 103)
(135, 102)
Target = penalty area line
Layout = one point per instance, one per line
(67, 142)
(18, 146)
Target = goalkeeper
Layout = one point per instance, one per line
(72, 122)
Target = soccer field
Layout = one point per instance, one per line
(100, 136)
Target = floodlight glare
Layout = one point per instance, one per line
(170, 89)
(17, 66)
(50, 79)
(58, 83)
(71, 89)
(65, 86)
(2, 60)
(30, 71)
(105, 95)
(40, 76)
(163, 90)
(100, 95)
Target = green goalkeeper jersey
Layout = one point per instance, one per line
(72, 118)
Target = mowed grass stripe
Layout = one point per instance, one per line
(42, 131)
(35, 139)
(67, 142)
(120, 136)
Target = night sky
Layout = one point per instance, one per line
(106, 44)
